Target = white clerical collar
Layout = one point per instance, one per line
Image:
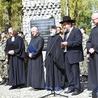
(13, 39)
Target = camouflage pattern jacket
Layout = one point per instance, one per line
(2, 47)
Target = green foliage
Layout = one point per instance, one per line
(81, 10)
(63, 3)
(11, 14)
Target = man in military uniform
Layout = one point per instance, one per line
(3, 57)
(84, 64)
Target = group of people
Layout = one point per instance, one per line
(63, 57)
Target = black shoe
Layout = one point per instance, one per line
(22, 86)
(69, 91)
(76, 92)
(36, 89)
(13, 87)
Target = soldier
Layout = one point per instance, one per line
(84, 64)
(3, 57)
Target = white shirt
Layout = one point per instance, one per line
(65, 50)
(13, 39)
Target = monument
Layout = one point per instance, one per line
(38, 11)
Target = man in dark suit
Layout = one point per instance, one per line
(73, 54)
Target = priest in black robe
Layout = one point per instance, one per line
(35, 76)
(16, 52)
(92, 46)
(54, 62)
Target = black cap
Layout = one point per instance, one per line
(53, 27)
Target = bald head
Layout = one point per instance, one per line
(34, 29)
(95, 18)
(94, 15)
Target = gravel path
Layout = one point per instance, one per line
(28, 92)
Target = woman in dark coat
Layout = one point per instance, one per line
(35, 76)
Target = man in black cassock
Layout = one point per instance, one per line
(54, 61)
(92, 47)
(35, 76)
(16, 52)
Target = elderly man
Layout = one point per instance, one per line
(16, 53)
(54, 61)
(92, 46)
(35, 76)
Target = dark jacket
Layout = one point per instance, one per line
(74, 48)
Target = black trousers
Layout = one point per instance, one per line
(72, 71)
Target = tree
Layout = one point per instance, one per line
(81, 10)
(11, 13)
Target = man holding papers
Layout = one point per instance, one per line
(35, 76)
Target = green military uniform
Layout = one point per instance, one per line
(3, 57)
(84, 64)
(3, 64)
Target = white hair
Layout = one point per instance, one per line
(11, 29)
(95, 15)
(34, 28)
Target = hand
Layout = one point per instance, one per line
(11, 52)
(30, 55)
(64, 44)
(91, 50)
(87, 57)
